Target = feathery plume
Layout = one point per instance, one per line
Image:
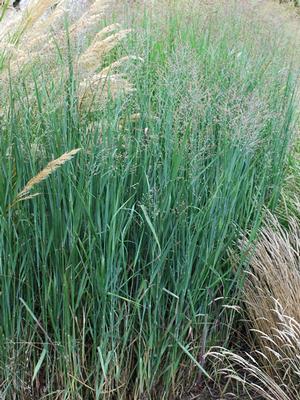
(119, 63)
(51, 167)
(90, 19)
(38, 31)
(91, 58)
(96, 90)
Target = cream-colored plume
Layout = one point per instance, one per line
(51, 167)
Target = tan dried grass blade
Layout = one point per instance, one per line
(272, 296)
(51, 167)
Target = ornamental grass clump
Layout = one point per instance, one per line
(114, 279)
(271, 295)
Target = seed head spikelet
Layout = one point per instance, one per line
(90, 59)
(38, 32)
(97, 89)
(51, 167)
(31, 15)
(119, 63)
(90, 18)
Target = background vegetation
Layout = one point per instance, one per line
(293, 2)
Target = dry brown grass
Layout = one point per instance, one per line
(274, 275)
(272, 299)
(272, 371)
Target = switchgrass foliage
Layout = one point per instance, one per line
(113, 278)
(289, 206)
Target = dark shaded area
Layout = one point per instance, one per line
(16, 3)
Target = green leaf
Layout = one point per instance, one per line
(39, 364)
(151, 226)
